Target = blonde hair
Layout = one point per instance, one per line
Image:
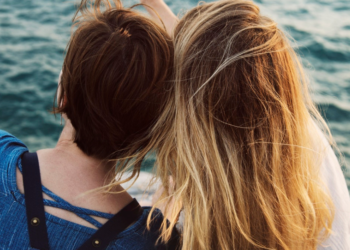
(235, 136)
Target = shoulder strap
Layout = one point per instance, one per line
(34, 202)
(114, 226)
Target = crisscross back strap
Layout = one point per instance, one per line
(34, 202)
(83, 213)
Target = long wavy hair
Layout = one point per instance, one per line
(238, 136)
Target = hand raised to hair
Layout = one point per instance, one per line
(150, 2)
(159, 9)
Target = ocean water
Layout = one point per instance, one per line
(34, 34)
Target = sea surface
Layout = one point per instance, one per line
(34, 34)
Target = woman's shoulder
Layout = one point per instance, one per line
(139, 236)
(11, 148)
(9, 143)
(333, 177)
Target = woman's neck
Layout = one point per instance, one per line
(68, 172)
(67, 148)
(71, 163)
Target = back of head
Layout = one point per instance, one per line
(243, 163)
(113, 78)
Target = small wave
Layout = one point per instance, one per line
(296, 33)
(7, 61)
(20, 77)
(318, 50)
(297, 12)
(334, 113)
(342, 8)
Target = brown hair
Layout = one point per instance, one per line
(237, 136)
(113, 78)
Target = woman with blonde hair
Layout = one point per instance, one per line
(240, 138)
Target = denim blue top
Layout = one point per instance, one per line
(62, 234)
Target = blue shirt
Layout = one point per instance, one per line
(62, 234)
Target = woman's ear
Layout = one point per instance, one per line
(59, 89)
(64, 102)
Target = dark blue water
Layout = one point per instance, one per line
(34, 34)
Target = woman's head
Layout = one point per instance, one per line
(238, 65)
(238, 140)
(113, 78)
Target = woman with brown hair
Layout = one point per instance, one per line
(110, 94)
(250, 167)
